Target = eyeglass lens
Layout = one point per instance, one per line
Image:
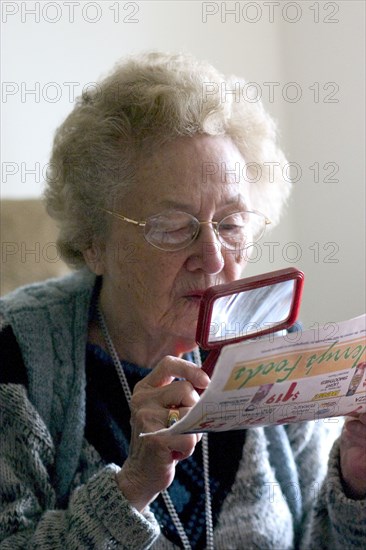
(173, 230)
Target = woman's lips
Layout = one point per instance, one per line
(194, 297)
(195, 294)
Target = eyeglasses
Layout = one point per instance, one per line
(173, 230)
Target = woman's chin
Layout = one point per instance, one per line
(185, 345)
(189, 314)
(186, 332)
(181, 328)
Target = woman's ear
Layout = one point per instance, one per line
(94, 258)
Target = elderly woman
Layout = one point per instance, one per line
(159, 182)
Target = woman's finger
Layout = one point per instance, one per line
(151, 419)
(171, 368)
(355, 432)
(177, 394)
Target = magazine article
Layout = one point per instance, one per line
(306, 375)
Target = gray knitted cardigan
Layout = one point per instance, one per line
(57, 494)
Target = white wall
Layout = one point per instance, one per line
(294, 42)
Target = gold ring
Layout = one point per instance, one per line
(173, 417)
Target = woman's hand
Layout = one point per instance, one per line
(150, 465)
(353, 456)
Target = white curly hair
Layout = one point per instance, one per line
(146, 101)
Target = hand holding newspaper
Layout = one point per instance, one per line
(305, 375)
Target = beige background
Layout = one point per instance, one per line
(314, 48)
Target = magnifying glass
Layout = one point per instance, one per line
(246, 309)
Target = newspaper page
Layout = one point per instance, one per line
(305, 375)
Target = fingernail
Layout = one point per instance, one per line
(204, 378)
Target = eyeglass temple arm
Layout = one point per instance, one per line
(129, 220)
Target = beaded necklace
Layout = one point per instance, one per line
(205, 452)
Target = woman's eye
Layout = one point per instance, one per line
(170, 230)
(175, 234)
(231, 227)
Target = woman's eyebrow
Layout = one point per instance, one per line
(167, 204)
(239, 203)
(176, 205)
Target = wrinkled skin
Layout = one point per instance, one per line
(353, 456)
(151, 317)
(150, 466)
(145, 295)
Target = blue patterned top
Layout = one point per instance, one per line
(108, 430)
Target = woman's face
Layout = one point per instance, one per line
(151, 294)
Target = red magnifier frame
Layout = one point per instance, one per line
(242, 285)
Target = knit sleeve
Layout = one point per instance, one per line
(336, 521)
(330, 519)
(97, 516)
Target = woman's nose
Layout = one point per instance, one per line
(206, 251)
